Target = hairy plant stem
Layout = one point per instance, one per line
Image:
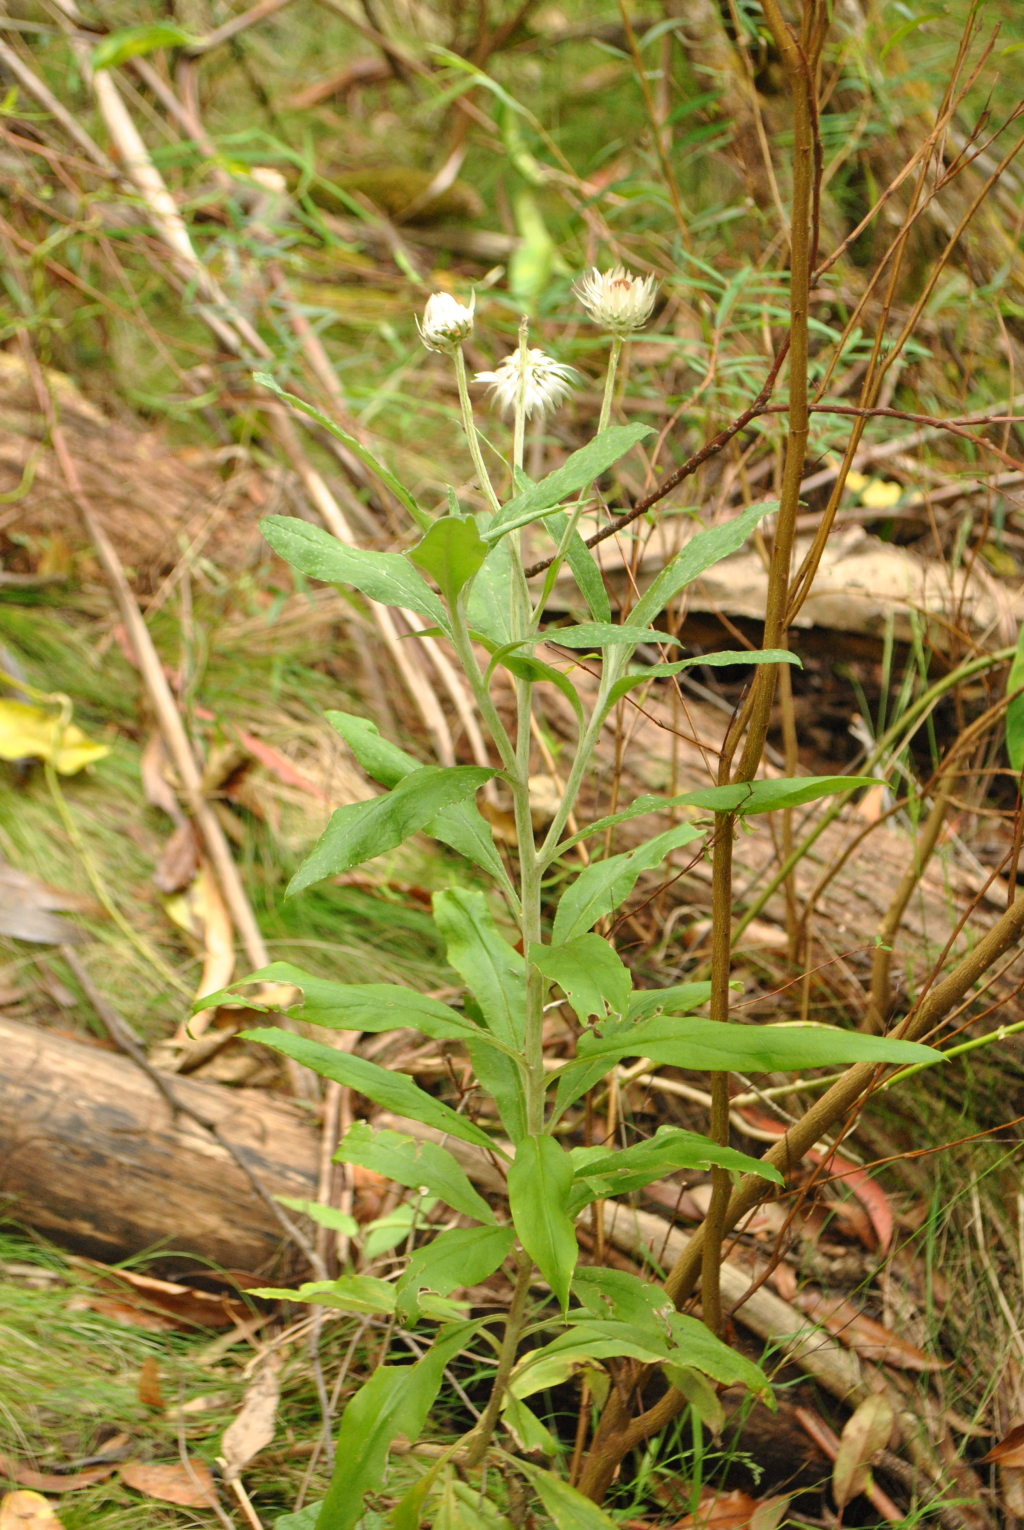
(472, 439)
(480, 1437)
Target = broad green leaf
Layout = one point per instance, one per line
(568, 1509)
(554, 1363)
(681, 999)
(606, 635)
(451, 553)
(606, 1293)
(603, 885)
(351, 1006)
(488, 608)
(401, 493)
(361, 830)
(526, 1428)
(707, 1046)
(539, 1186)
(577, 472)
(387, 1232)
(696, 1345)
(589, 973)
(1015, 708)
(131, 42)
(699, 1393)
(584, 568)
(385, 577)
(501, 1076)
(463, 1256)
(725, 658)
(323, 1216)
(462, 827)
(302, 1519)
(701, 552)
(525, 667)
(601, 1175)
(395, 1400)
(478, 1512)
(490, 967)
(386, 1087)
(349, 1293)
(414, 1164)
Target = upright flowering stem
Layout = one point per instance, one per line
(609, 383)
(519, 433)
(483, 477)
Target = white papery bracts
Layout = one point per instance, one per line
(544, 384)
(445, 321)
(621, 304)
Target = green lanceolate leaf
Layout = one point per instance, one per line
(487, 608)
(539, 1186)
(708, 1046)
(395, 1400)
(567, 1508)
(414, 1164)
(349, 1293)
(577, 472)
(462, 827)
(501, 1076)
(525, 667)
(749, 797)
(554, 1363)
(603, 885)
(681, 999)
(323, 1216)
(606, 635)
(392, 1090)
(489, 965)
(462, 1256)
(589, 973)
(701, 552)
(726, 659)
(526, 1428)
(601, 1175)
(352, 1006)
(131, 42)
(385, 577)
(451, 554)
(617, 1294)
(1015, 709)
(699, 1393)
(357, 448)
(584, 568)
(302, 1519)
(362, 830)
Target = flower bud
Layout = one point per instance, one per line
(620, 303)
(446, 321)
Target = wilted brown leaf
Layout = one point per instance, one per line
(53, 1482)
(866, 1432)
(26, 905)
(27, 1511)
(728, 1511)
(862, 1334)
(150, 1394)
(254, 1426)
(156, 1304)
(179, 860)
(1009, 1451)
(172, 1482)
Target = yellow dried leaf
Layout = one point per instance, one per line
(27, 1511)
(881, 494)
(28, 732)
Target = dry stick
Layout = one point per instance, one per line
(123, 1037)
(35, 87)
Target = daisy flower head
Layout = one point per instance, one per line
(620, 303)
(548, 382)
(445, 321)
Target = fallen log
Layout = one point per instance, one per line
(92, 1156)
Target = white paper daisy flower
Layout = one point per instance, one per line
(548, 382)
(620, 303)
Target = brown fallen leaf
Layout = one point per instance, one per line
(172, 1482)
(150, 1394)
(1009, 1451)
(254, 1426)
(863, 1335)
(27, 1511)
(727, 1511)
(164, 1301)
(179, 860)
(865, 1433)
(27, 904)
(53, 1482)
(816, 1428)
